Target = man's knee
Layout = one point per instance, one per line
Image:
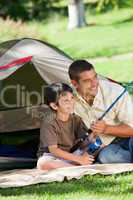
(105, 156)
(114, 154)
(131, 143)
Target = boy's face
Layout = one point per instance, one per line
(66, 103)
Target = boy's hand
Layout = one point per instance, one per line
(86, 159)
(99, 127)
(92, 137)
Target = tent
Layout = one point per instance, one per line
(26, 66)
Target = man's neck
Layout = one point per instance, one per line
(88, 98)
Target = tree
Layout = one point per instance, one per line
(76, 14)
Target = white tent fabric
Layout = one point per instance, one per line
(18, 178)
(51, 63)
(54, 70)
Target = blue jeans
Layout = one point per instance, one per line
(117, 152)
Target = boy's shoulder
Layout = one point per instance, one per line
(76, 117)
(48, 115)
(48, 124)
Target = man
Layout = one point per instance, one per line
(94, 94)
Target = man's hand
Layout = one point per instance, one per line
(86, 159)
(99, 127)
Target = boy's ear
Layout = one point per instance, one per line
(74, 83)
(53, 106)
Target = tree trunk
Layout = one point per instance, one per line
(76, 14)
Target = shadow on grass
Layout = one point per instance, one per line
(116, 23)
(98, 184)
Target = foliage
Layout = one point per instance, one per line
(103, 5)
(42, 9)
(26, 9)
(14, 8)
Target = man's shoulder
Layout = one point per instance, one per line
(109, 85)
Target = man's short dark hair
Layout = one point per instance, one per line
(78, 67)
(54, 90)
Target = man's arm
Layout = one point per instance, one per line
(121, 130)
(84, 159)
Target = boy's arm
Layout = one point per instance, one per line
(84, 159)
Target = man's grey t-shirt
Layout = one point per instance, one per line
(63, 134)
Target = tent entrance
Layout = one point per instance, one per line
(19, 89)
(21, 94)
(18, 149)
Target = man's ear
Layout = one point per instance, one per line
(74, 83)
(53, 106)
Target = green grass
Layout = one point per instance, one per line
(120, 70)
(13, 30)
(106, 34)
(97, 187)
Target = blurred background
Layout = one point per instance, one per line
(100, 31)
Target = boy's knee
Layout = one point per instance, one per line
(41, 165)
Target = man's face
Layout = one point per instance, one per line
(87, 84)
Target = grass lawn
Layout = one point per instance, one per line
(119, 70)
(106, 34)
(97, 187)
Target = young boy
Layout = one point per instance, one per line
(60, 134)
